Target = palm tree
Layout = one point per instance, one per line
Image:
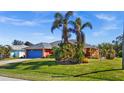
(61, 21)
(78, 27)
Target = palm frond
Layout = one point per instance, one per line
(87, 24)
(56, 24)
(78, 21)
(58, 16)
(68, 14)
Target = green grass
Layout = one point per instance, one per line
(47, 69)
(7, 59)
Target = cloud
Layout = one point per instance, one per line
(105, 17)
(105, 29)
(21, 22)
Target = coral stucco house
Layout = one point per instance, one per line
(39, 50)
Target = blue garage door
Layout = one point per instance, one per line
(34, 53)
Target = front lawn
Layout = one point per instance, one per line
(47, 69)
(7, 59)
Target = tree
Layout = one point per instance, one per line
(78, 27)
(5, 51)
(17, 42)
(27, 43)
(61, 22)
(106, 50)
(67, 52)
(118, 45)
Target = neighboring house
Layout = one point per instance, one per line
(39, 50)
(18, 51)
(91, 51)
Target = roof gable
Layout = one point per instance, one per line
(18, 47)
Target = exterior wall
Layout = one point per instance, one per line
(17, 53)
(47, 52)
(91, 52)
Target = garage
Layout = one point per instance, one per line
(34, 53)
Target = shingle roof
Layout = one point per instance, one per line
(18, 47)
(54, 44)
(40, 46)
(89, 46)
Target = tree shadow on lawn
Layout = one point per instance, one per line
(96, 72)
(85, 74)
(30, 65)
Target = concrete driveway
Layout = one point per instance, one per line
(12, 61)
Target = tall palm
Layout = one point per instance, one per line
(78, 27)
(61, 22)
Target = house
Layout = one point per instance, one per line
(45, 49)
(91, 51)
(39, 50)
(18, 51)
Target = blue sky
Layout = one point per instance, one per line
(36, 26)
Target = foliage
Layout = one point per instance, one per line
(85, 60)
(51, 56)
(17, 42)
(120, 53)
(27, 43)
(106, 50)
(117, 43)
(68, 52)
(78, 26)
(5, 51)
(61, 23)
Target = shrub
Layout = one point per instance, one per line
(64, 51)
(68, 53)
(51, 56)
(110, 54)
(120, 53)
(84, 60)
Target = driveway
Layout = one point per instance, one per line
(9, 79)
(12, 61)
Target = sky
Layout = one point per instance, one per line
(35, 26)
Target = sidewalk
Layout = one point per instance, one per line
(9, 79)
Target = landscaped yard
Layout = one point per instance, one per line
(47, 69)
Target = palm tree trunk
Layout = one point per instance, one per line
(65, 35)
(79, 39)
